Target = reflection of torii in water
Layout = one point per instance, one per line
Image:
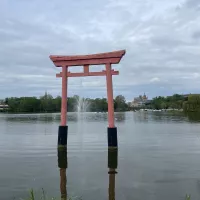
(63, 164)
(112, 165)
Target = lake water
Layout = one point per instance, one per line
(158, 156)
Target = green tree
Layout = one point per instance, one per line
(28, 104)
(57, 103)
(193, 103)
(72, 102)
(120, 103)
(13, 104)
(47, 104)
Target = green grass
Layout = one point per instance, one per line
(187, 197)
(43, 196)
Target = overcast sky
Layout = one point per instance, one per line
(161, 38)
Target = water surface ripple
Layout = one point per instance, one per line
(158, 155)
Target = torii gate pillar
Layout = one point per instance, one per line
(86, 60)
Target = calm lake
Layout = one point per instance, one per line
(158, 156)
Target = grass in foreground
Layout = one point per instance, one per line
(187, 197)
(43, 196)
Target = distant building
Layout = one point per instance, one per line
(139, 101)
(3, 107)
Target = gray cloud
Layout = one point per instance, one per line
(161, 39)
(196, 35)
(192, 4)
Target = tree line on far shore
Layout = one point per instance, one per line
(47, 103)
(190, 103)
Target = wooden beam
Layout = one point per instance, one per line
(114, 54)
(86, 68)
(77, 74)
(102, 61)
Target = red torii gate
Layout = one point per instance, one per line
(86, 60)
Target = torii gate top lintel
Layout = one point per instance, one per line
(93, 59)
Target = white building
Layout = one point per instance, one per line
(139, 101)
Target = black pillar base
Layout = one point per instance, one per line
(112, 137)
(62, 135)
